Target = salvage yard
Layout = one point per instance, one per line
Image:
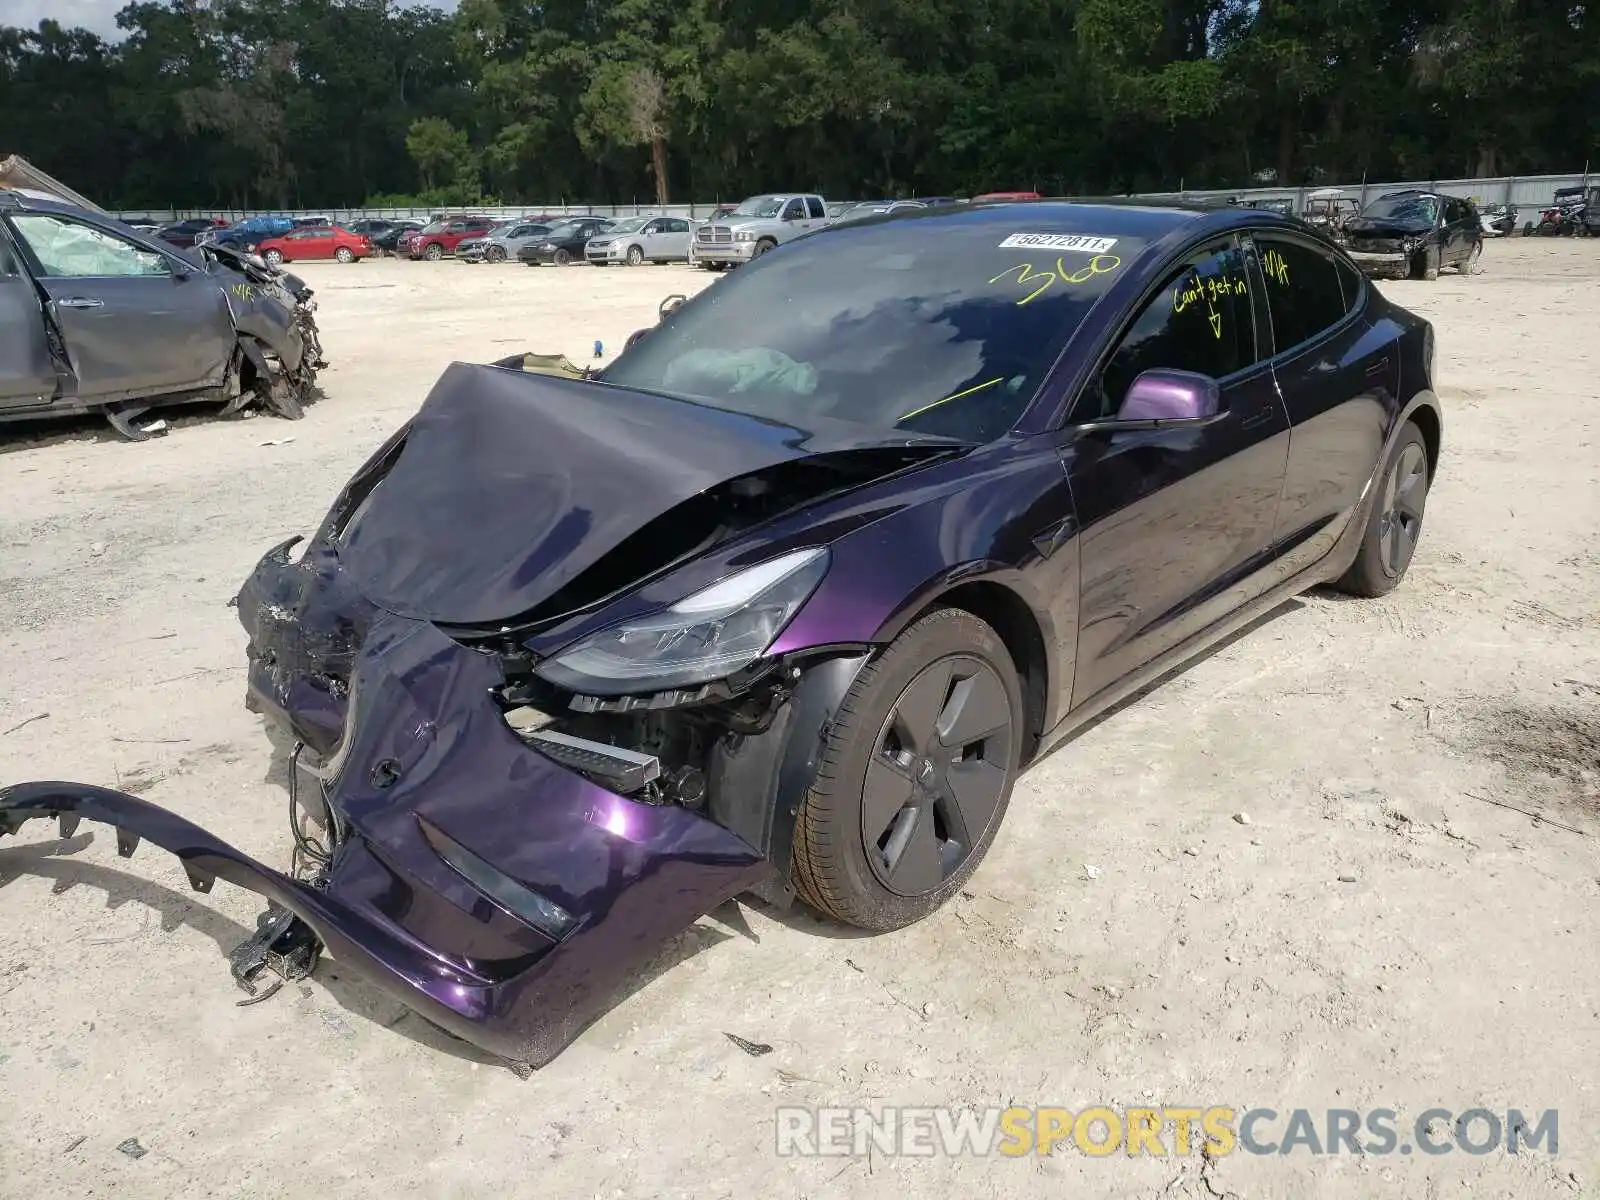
(1349, 860)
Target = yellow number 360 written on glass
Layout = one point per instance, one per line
(1023, 273)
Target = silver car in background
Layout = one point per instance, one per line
(636, 240)
(502, 242)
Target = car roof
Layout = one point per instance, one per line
(1098, 218)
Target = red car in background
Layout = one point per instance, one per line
(314, 242)
(1007, 196)
(438, 238)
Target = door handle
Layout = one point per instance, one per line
(80, 302)
(1261, 417)
(1379, 369)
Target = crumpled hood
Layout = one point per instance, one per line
(511, 484)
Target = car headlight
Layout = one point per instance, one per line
(743, 235)
(707, 636)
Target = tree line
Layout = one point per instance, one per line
(324, 103)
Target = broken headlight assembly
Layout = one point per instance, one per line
(705, 637)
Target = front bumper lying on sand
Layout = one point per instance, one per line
(485, 886)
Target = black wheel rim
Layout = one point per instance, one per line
(1404, 495)
(940, 766)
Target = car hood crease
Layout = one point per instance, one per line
(509, 485)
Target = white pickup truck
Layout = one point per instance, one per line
(756, 226)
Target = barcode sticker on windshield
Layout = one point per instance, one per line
(1058, 241)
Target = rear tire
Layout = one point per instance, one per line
(1394, 526)
(344, 254)
(273, 258)
(915, 775)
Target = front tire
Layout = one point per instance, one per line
(763, 246)
(563, 258)
(434, 252)
(635, 256)
(495, 254)
(915, 776)
(1394, 526)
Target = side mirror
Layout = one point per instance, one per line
(1171, 396)
(671, 304)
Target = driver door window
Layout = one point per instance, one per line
(67, 249)
(1200, 320)
(795, 210)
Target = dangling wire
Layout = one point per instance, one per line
(310, 857)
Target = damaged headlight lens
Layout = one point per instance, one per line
(710, 635)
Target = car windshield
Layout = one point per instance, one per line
(629, 225)
(759, 206)
(1404, 208)
(883, 326)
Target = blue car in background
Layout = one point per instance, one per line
(252, 231)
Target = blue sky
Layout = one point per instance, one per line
(97, 15)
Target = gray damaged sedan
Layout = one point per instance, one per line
(98, 318)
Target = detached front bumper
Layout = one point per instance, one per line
(1387, 264)
(492, 890)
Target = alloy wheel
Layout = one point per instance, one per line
(1404, 495)
(345, 255)
(635, 256)
(941, 766)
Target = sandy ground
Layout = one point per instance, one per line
(1127, 941)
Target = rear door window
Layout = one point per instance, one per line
(814, 208)
(1304, 292)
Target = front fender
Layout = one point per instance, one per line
(756, 785)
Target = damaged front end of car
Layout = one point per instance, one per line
(280, 348)
(546, 729)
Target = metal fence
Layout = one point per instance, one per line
(1524, 191)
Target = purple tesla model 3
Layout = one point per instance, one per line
(783, 600)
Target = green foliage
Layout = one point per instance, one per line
(441, 151)
(321, 103)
